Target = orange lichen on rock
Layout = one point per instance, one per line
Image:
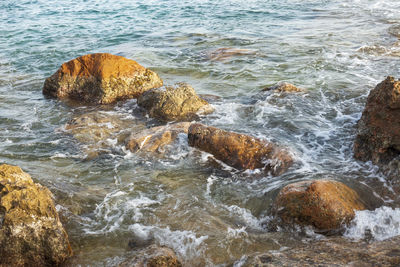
(100, 78)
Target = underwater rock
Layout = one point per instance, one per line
(378, 130)
(335, 251)
(324, 204)
(156, 138)
(177, 103)
(227, 52)
(99, 131)
(239, 150)
(100, 78)
(283, 87)
(153, 256)
(31, 233)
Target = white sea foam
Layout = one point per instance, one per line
(380, 224)
(185, 243)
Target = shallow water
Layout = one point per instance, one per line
(337, 50)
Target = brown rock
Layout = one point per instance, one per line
(153, 256)
(283, 87)
(173, 103)
(239, 150)
(100, 78)
(378, 133)
(332, 252)
(156, 138)
(323, 204)
(31, 233)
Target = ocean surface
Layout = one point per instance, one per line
(336, 50)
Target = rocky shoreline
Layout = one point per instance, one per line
(98, 79)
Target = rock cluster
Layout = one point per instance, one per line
(100, 78)
(239, 150)
(31, 233)
(283, 87)
(324, 204)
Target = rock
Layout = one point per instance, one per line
(239, 150)
(335, 251)
(31, 233)
(395, 30)
(156, 138)
(210, 98)
(100, 78)
(99, 131)
(153, 256)
(227, 52)
(324, 204)
(174, 103)
(283, 87)
(378, 130)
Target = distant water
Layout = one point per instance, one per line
(337, 50)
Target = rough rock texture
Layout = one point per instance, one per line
(324, 204)
(283, 87)
(378, 133)
(173, 103)
(100, 78)
(332, 252)
(100, 131)
(239, 150)
(31, 233)
(153, 256)
(156, 138)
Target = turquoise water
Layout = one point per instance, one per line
(336, 50)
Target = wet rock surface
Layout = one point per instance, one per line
(378, 130)
(177, 103)
(239, 150)
(283, 87)
(324, 204)
(99, 131)
(100, 78)
(31, 233)
(153, 256)
(156, 138)
(332, 252)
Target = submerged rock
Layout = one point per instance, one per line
(174, 103)
(31, 233)
(378, 130)
(283, 87)
(153, 256)
(324, 204)
(332, 252)
(227, 52)
(156, 138)
(239, 150)
(99, 131)
(100, 78)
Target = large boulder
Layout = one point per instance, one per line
(331, 252)
(31, 233)
(378, 130)
(324, 204)
(153, 256)
(100, 78)
(173, 103)
(239, 150)
(156, 138)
